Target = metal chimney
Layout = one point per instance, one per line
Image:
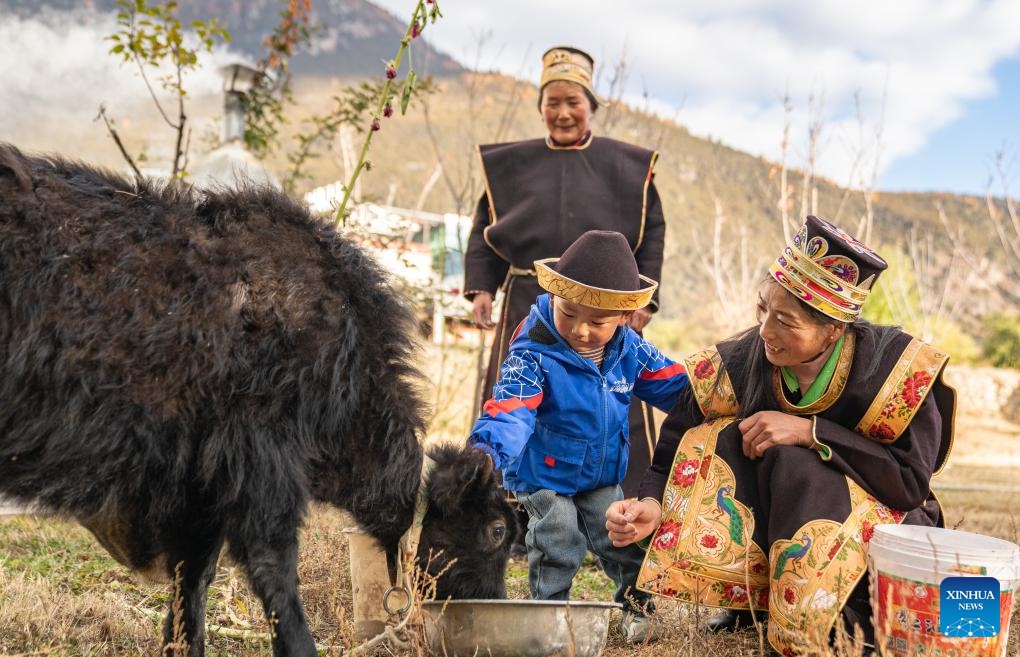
(230, 164)
(238, 79)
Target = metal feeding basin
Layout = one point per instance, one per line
(517, 628)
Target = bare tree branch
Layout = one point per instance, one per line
(612, 112)
(1010, 243)
(182, 119)
(816, 123)
(152, 92)
(116, 140)
(784, 185)
(731, 271)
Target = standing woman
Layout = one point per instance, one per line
(541, 195)
(796, 439)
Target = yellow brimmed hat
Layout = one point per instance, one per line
(598, 271)
(828, 269)
(567, 63)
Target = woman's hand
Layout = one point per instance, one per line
(628, 521)
(767, 428)
(639, 319)
(481, 310)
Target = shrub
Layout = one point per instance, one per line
(1001, 334)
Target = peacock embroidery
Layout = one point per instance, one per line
(792, 551)
(725, 502)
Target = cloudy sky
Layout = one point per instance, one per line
(58, 72)
(935, 83)
(931, 88)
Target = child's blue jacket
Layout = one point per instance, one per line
(556, 420)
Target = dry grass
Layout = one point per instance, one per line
(60, 594)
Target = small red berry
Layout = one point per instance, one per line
(391, 71)
(387, 111)
(375, 124)
(415, 30)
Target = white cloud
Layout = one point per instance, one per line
(912, 64)
(59, 71)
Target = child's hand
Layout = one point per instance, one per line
(629, 521)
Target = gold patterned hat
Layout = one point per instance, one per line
(828, 269)
(598, 271)
(570, 64)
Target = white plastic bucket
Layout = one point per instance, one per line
(907, 564)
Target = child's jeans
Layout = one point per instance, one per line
(561, 530)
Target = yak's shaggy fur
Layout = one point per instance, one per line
(182, 370)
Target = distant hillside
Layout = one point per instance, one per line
(699, 180)
(352, 37)
(722, 205)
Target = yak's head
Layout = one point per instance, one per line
(468, 528)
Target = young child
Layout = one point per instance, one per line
(557, 427)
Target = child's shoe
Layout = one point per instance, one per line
(638, 629)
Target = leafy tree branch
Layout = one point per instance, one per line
(151, 37)
(425, 12)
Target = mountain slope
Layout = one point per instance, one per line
(351, 37)
(721, 205)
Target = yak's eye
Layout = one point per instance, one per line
(497, 531)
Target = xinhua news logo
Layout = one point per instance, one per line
(969, 607)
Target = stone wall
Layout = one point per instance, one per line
(986, 391)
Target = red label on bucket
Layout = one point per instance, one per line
(907, 622)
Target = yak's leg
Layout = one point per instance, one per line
(271, 565)
(197, 555)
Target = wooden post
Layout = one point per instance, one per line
(370, 579)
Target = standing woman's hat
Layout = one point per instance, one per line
(598, 271)
(570, 64)
(828, 269)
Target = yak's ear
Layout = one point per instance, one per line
(453, 480)
(487, 468)
(12, 165)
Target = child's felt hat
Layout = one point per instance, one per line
(828, 269)
(598, 271)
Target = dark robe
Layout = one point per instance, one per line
(788, 532)
(538, 199)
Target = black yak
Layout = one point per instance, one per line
(184, 370)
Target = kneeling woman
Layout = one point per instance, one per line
(796, 439)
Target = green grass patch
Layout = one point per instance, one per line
(54, 550)
(590, 583)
